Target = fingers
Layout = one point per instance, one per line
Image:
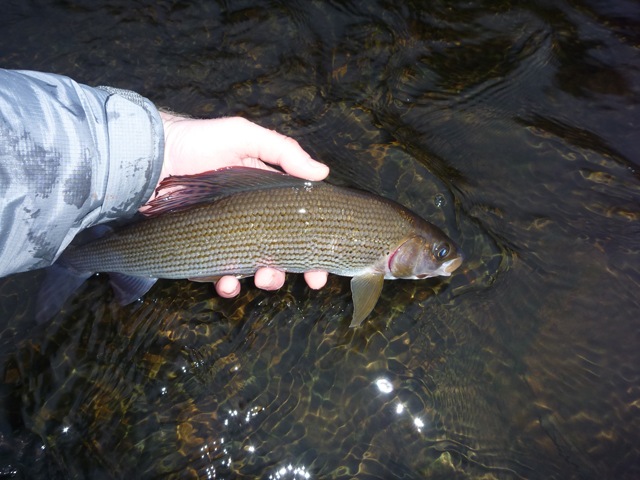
(269, 279)
(316, 279)
(228, 287)
(276, 149)
(265, 278)
(272, 279)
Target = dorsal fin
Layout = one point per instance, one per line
(182, 191)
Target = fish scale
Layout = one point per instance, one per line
(293, 229)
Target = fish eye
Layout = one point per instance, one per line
(442, 251)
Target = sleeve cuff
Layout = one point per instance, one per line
(136, 152)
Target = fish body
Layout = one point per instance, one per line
(234, 221)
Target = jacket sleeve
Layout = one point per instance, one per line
(71, 156)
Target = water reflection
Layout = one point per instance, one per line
(291, 472)
(512, 126)
(386, 387)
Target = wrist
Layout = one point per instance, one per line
(169, 121)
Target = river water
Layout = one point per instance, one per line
(512, 126)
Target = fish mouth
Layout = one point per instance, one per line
(450, 266)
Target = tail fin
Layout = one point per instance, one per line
(61, 280)
(59, 284)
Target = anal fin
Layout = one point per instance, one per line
(128, 289)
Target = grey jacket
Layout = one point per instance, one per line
(71, 156)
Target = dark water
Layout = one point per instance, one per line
(515, 127)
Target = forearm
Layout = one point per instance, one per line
(71, 156)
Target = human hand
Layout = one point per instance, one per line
(194, 146)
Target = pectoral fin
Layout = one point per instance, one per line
(365, 290)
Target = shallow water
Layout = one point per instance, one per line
(514, 128)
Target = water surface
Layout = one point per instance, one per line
(512, 127)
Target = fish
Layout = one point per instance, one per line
(235, 220)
